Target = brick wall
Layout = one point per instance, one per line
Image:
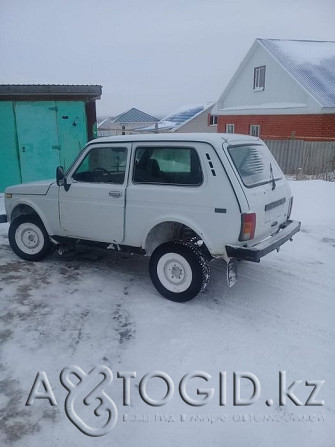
(302, 127)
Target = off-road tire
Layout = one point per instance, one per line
(179, 270)
(29, 238)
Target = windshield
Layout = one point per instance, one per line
(254, 164)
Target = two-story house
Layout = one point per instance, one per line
(282, 89)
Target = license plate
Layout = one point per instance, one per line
(273, 214)
(232, 272)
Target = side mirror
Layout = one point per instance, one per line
(61, 179)
(60, 176)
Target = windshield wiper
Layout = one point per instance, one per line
(272, 178)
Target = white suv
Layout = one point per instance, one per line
(182, 199)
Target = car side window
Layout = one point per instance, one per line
(167, 165)
(103, 165)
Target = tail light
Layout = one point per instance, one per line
(290, 205)
(248, 226)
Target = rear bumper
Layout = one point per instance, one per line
(3, 218)
(255, 253)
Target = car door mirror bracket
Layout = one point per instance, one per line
(61, 178)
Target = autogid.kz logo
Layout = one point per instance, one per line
(90, 408)
(84, 391)
(78, 392)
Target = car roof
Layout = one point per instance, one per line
(212, 138)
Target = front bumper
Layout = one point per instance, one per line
(3, 218)
(255, 253)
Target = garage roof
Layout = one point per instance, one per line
(49, 91)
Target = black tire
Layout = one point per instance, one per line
(179, 270)
(28, 238)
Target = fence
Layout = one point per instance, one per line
(304, 157)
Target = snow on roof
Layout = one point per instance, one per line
(86, 92)
(177, 119)
(311, 63)
(214, 138)
(267, 105)
(133, 115)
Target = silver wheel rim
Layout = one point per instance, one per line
(174, 272)
(29, 238)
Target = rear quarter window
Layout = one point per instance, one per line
(255, 164)
(167, 165)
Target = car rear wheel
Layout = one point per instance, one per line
(179, 270)
(28, 238)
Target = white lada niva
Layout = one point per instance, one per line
(182, 199)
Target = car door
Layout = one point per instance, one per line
(93, 207)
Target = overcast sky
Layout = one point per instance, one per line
(156, 55)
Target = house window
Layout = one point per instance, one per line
(213, 120)
(230, 128)
(255, 130)
(259, 78)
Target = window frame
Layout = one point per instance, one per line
(255, 126)
(227, 128)
(258, 85)
(82, 156)
(213, 118)
(167, 146)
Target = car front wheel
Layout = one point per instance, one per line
(179, 270)
(28, 238)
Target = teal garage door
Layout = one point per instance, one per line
(72, 130)
(9, 158)
(38, 141)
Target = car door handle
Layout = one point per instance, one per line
(115, 193)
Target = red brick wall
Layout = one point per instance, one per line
(276, 127)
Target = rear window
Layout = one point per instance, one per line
(255, 164)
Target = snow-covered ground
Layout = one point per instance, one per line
(92, 308)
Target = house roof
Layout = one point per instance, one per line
(133, 115)
(311, 63)
(175, 120)
(49, 91)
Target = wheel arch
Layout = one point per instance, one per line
(23, 208)
(168, 230)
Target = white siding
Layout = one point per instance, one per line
(198, 124)
(282, 94)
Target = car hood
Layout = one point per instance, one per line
(31, 188)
